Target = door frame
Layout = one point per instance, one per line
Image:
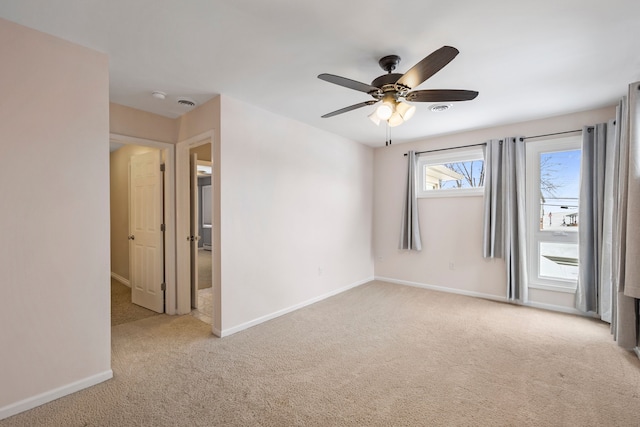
(168, 155)
(194, 206)
(534, 234)
(183, 213)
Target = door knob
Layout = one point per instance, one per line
(132, 237)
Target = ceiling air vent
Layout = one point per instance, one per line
(439, 108)
(187, 102)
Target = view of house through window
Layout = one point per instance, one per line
(553, 186)
(454, 173)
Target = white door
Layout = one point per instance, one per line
(553, 189)
(194, 228)
(146, 260)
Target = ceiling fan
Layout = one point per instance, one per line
(392, 89)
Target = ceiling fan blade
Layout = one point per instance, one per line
(349, 108)
(428, 66)
(441, 95)
(348, 83)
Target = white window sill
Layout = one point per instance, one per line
(458, 192)
(570, 288)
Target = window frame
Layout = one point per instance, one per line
(535, 236)
(456, 155)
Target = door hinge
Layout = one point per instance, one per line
(163, 227)
(162, 167)
(163, 286)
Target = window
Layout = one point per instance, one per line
(459, 172)
(553, 187)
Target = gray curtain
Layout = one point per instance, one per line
(609, 222)
(410, 229)
(604, 217)
(590, 216)
(632, 266)
(627, 253)
(504, 211)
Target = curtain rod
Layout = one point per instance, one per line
(553, 134)
(484, 143)
(448, 148)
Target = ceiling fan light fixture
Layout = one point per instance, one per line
(395, 119)
(374, 118)
(405, 110)
(385, 110)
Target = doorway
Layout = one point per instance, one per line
(186, 180)
(201, 225)
(553, 187)
(122, 150)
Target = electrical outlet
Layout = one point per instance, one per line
(319, 271)
(451, 265)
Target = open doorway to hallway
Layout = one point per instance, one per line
(123, 308)
(142, 226)
(201, 227)
(187, 232)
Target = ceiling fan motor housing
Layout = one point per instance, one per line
(389, 62)
(386, 79)
(387, 83)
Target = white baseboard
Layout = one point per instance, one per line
(635, 349)
(46, 397)
(542, 306)
(254, 322)
(121, 279)
(559, 308)
(442, 289)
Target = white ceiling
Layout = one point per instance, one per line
(528, 60)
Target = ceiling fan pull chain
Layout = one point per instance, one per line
(388, 138)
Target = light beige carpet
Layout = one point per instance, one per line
(122, 309)
(377, 355)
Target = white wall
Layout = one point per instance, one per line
(296, 212)
(54, 218)
(451, 228)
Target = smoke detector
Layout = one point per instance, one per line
(158, 94)
(186, 102)
(439, 108)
